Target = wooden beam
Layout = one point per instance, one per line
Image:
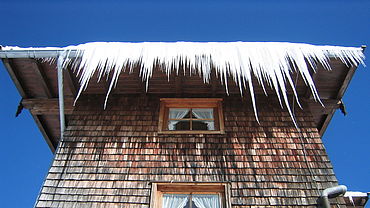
(37, 118)
(329, 105)
(339, 96)
(179, 81)
(13, 75)
(140, 83)
(42, 78)
(71, 81)
(213, 82)
(343, 88)
(313, 73)
(42, 106)
(178, 85)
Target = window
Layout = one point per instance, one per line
(191, 116)
(190, 195)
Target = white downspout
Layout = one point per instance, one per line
(331, 193)
(60, 61)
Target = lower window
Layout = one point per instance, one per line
(191, 200)
(190, 195)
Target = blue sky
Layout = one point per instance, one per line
(24, 155)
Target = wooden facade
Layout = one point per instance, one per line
(115, 157)
(111, 157)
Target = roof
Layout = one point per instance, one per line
(355, 198)
(315, 74)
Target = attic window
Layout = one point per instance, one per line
(190, 195)
(191, 116)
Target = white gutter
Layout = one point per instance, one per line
(36, 53)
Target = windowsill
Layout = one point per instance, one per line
(191, 132)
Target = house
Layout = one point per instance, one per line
(185, 124)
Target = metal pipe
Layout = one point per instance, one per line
(331, 193)
(36, 53)
(60, 61)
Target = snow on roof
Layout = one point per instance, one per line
(271, 63)
(355, 194)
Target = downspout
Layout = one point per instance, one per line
(331, 193)
(60, 60)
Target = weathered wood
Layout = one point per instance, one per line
(71, 81)
(116, 155)
(213, 82)
(178, 85)
(339, 96)
(13, 75)
(308, 93)
(40, 106)
(42, 79)
(153, 196)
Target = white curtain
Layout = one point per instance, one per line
(205, 113)
(206, 200)
(176, 113)
(175, 200)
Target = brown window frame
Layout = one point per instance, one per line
(160, 188)
(167, 103)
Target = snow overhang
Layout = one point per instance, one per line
(278, 69)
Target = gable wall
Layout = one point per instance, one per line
(110, 157)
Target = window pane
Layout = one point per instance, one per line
(206, 200)
(204, 125)
(178, 113)
(175, 200)
(195, 200)
(192, 205)
(202, 113)
(178, 125)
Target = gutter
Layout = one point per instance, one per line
(37, 53)
(58, 54)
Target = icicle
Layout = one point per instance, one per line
(270, 63)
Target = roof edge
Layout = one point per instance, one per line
(32, 53)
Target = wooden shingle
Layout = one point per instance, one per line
(109, 158)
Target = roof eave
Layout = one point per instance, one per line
(340, 95)
(36, 53)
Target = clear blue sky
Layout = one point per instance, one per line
(25, 157)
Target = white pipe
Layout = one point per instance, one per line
(331, 192)
(60, 61)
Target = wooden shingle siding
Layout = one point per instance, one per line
(110, 157)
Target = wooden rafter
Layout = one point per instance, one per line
(42, 106)
(178, 84)
(313, 73)
(213, 82)
(140, 82)
(40, 72)
(329, 105)
(13, 75)
(339, 96)
(71, 81)
(18, 83)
